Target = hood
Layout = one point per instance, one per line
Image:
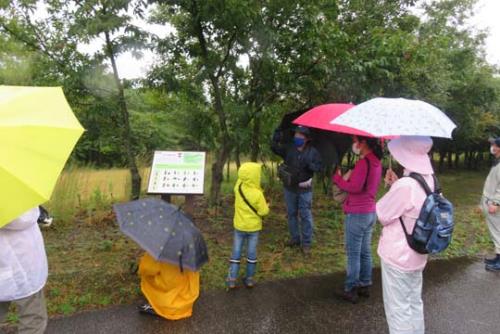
(249, 174)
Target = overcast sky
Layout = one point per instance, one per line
(487, 17)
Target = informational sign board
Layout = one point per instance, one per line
(176, 172)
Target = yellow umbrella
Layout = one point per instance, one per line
(37, 134)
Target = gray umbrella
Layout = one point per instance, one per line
(164, 231)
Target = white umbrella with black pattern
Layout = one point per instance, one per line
(393, 117)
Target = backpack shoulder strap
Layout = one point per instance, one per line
(246, 201)
(417, 177)
(437, 185)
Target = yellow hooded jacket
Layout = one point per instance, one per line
(245, 219)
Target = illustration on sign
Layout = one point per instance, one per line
(175, 172)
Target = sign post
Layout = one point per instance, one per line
(178, 173)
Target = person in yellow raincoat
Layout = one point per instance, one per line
(170, 292)
(249, 207)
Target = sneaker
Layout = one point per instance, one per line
(249, 282)
(292, 243)
(45, 222)
(493, 267)
(350, 296)
(44, 219)
(230, 284)
(492, 261)
(147, 309)
(364, 291)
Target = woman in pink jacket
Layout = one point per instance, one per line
(361, 185)
(402, 267)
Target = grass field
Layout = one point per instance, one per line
(92, 264)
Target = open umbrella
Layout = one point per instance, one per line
(391, 117)
(38, 131)
(320, 117)
(164, 231)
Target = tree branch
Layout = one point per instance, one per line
(228, 53)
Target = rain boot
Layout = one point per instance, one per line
(495, 267)
(493, 260)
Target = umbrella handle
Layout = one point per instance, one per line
(180, 263)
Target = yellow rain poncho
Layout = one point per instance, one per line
(170, 292)
(245, 218)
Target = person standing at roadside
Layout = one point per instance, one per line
(402, 267)
(301, 161)
(490, 203)
(23, 272)
(361, 185)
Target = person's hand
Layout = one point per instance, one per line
(347, 175)
(390, 177)
(492, 209)
(306, 184)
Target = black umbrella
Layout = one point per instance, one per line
(164, 231)
(331, 145)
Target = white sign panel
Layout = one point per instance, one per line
(176, 172)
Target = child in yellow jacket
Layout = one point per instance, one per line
(249, 207)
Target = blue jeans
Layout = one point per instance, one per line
(358, 238)
(299, 205)
(251, 239)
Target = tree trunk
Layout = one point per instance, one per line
(433, 159)
(237, 156)
(255, 144)
(225, 145)
(125, 127)
(476, 160)
(457, 160)
(256, 137)
(217, 175)
(213, 75)
(470, 160)
(441, 161)
(450, 160)
(228, 169)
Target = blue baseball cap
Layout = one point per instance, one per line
(304, 130)
(495, 140)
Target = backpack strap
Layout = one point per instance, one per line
(419, 178)
(246, 201)
(408, 236)
(437, 185)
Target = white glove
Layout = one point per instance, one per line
(306, 184)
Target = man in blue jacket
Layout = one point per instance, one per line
(301, 161)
